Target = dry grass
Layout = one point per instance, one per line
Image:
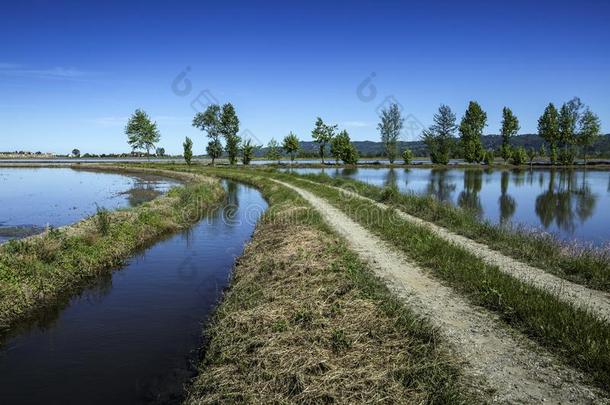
(305, 321)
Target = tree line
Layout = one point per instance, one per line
(221, 126)
(564, 130)
(573, 126)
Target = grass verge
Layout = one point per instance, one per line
(43, 271)
(306, 321)
(574, 334)
(583, 265)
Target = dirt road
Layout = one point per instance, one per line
(510, 364)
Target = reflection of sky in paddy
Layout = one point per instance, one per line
(33, 198)
(571, 203)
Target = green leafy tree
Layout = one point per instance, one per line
(209, 122)
(569, 117)
(336, 147)
(589, 132)
(188, 150)
(390, 126)
(439, 137)
(531, 155)
(542, 151)
(322, 135)
(407, 156)
(342, 148)
(229, 127)
(291, 145)
(76, 153)
(142, 132)
(273, 150)
(471, 130)
(510, 127)
(160, 152)
(214, 149)
(247, 151)
(488, 157)
(350, 155)
(519, 156)
(548, 129)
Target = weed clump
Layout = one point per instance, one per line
(102, 221)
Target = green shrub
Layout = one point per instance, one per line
(102, 221)
(488, 157)
(566, 156)
(407, 156)
(519, 156)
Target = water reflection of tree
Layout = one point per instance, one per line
(439, 186)
(564, 200)
(231, 203)
(349, 172)
(469, 197)
(530, 177)
(391, 179)
(507, 203)
(518, 177)
(142, 191)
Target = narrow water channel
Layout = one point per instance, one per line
(134, 337)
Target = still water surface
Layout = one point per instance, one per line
(134, 336)
(33, 198)
(573, 204)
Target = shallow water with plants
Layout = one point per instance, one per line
(34, 198)
(569, 203)
(134, 336)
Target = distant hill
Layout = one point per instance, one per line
(372, 149)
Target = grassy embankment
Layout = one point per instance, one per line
(575, 335)
(44, 271)
(306, 321)
(582, 265)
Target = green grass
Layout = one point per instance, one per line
(574, 334)
(583, 265)
(306, 321)
(40, 273)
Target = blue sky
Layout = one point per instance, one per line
(72, 72)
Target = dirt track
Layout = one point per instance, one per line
(595, 301)
(513, 366)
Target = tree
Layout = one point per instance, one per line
(76, 153)
(188, 150)
(209, 121)
(337, 143)
(569, 117)
(350, 155)
(342, 148)
(510, 127)
(519, 156)
(229, 127)
(471, 130)
(531, 155)
(141, 132)
(291, 145)
(590, 127)
(439, 137)
(489, 157)
(548, 129)
(322, 135)
(160, 152)
(390, 127)
(214, 149)
(273, 150)
(407, 156)
(247, 151)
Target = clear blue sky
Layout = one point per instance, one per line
(72, 72)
